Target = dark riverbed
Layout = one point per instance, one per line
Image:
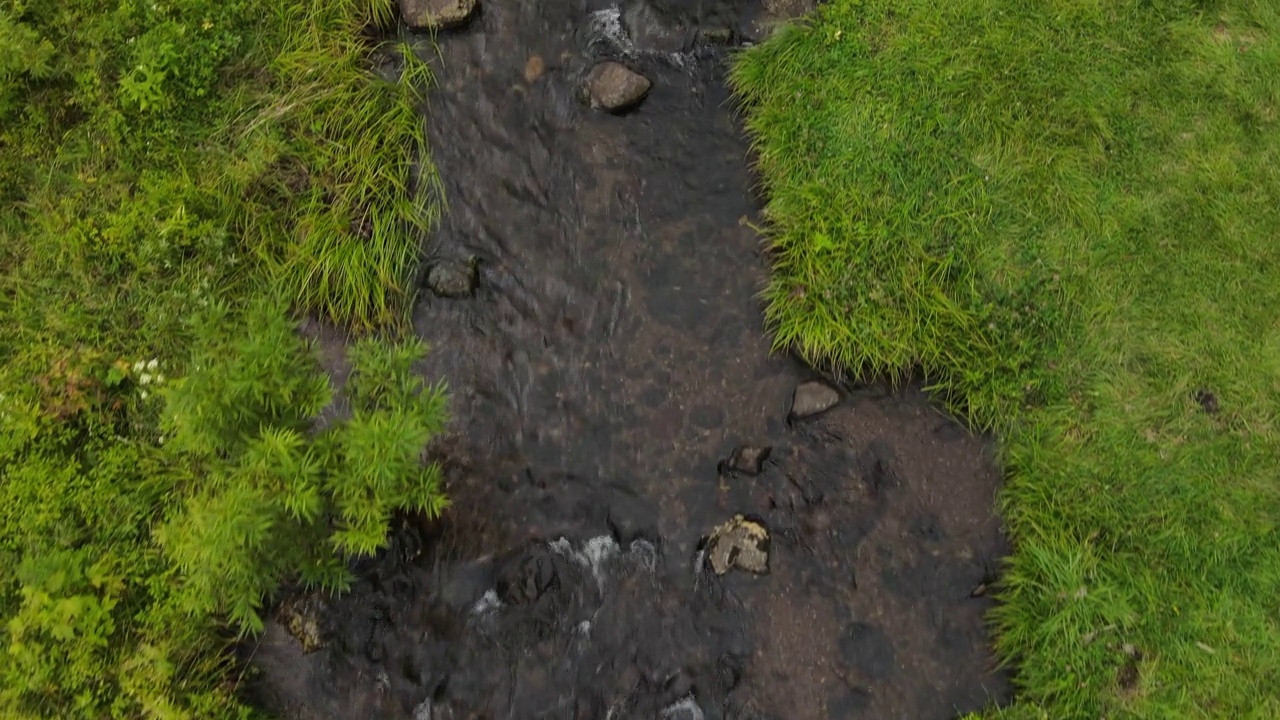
(610, 358)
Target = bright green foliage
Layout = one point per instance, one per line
(274, 498)
(91, 627)
(1065, 213)
(158, 160)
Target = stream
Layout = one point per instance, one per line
(612, 396)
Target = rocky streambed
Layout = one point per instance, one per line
(654, 516)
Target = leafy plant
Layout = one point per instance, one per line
(276, 497)
(158, 159)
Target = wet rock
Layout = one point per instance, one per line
(437, 14)
(527, 577)
(772, 15)
(534, 67)
(301, 617)
(615, 87)
(466, 585)
(746, 459)
(739, 543)
(716, 35)
(685, 709)
(812, 398)
(650, 29)
(453, 279)
(679, 686)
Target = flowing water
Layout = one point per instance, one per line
(611, 357)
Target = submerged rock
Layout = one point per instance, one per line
(615, 87)
(437, 14)
(301, 617)
(742, 543)
(716, 35)
(811, 398)
(685, 709)
(527, 577)
(534, 68)
(746, 459)
(773, 15)
(453, 279)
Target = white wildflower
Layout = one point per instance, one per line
(152, 364)
(145, 379)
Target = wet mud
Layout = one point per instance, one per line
(612, 393)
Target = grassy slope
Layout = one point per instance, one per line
(1067, 214)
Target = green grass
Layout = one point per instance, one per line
(1066, 215)
(159, 160)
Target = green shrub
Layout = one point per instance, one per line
(157, 160)
(90, 625)
(275, 497)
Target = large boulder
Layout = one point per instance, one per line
(812, 398)
(437, 14)
(453, 278)
(615, 87)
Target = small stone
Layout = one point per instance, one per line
(301, 617)
(614, 87)
(812, 398)
(740, 543)
(437, 14)
(534, 68)
(453, 279)
(746, 459)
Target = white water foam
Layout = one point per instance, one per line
(683, 709)
(592, 556)
(606, 26)
(489, 601)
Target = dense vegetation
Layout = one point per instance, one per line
(1065, 215)
(177, 178)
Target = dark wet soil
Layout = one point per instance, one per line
(610, 359)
